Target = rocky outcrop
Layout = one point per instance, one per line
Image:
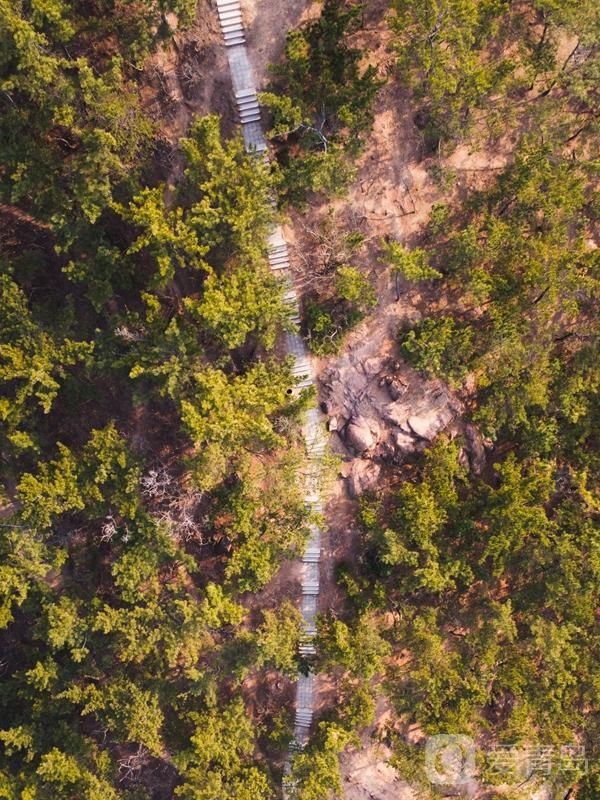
(430, 423)
(384, 412)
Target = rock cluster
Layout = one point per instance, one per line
(383, 412)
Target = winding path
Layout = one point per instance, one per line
(230, 19)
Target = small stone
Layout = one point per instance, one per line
(332, 424)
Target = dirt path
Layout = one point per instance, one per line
(267, 23)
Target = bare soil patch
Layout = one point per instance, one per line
(267, 24)
(186, 78)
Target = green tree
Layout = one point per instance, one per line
(229, 191)
(244, 301)
(441, 49)
(408, 265)
(278, 637)
(229, 414)
(323, 102)
(359, 648)
(217, 759)
(437, 345)
(315, 772)
(33, 364)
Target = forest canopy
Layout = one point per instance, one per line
(151, 444)
(148, 439)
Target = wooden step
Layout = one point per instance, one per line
(311, 558)
(247, 118)
(304, 383)
(227, 5)
(247, 102)
(235, 13)
(231, 27)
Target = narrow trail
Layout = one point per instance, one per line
(230, 19)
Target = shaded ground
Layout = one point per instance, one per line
(188, 77)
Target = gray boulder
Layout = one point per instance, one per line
(363, 476)
(429, 424)
(362, 433)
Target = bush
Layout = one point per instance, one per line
(439, 347)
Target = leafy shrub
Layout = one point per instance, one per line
(438, 346)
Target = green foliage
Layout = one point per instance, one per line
(324, 335)
(69, 132)
(414, 543)
(244, 301)
(33, 364)
(441, 49)
(437, 345)
(131, 317)
(315, 772)
(353, 287)
(165, 235)
(468, 60)
(231, 414)
(410, 265)
(217, 761)
(229, 191)
(264, 517)
(522, 258)
(120, 640)
(104, 478)
(359, 649)
(350, 298)
(512, 649)
(26, 562)
(278, 637)
(322, 108)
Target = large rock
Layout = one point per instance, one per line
(362, 433)
(363, 476)
(373, 366)
(430, 423)
(403, 442)
(475, 448)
